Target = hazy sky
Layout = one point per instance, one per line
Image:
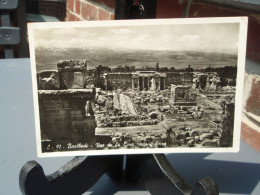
(176, 37)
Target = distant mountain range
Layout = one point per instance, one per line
(47, 58)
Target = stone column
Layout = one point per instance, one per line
(138, 83)
(153, 84)
(164, 82)
(148, 83)
(143, 83)
(133, 82)
(105, 77)
(226, 139)
(159, 84)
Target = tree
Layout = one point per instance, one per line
(157, 67)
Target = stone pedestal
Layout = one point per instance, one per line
(73, 74)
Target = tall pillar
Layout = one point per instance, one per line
(143, 83)
(138, 83)
(164, 83)
(153, 84)
(148, 83)
(106, 82)
(159, 83)
(132, 82)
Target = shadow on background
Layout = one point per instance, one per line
(231, 177)
(107, 186)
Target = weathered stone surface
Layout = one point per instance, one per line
(191, 142)
(206, 136)
(103, 139)
(86, 94)
(212, 82)
(72, 65)
(72, 80)
(101, 100)
(171, 139)
(116, 101)
(63, 115)
(194, 133)
(56, 127)
(84, 129)
(165, 108)
(48, 80)
(226, 139)
(73, 74)
(210, 143)
(153, 115)
(182, 95)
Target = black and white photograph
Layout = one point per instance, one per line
(138, 86)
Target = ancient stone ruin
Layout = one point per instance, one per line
(141, 109)
(63, 101)
(182, 95)
(226, 139)
(207, 81)
(70, 74)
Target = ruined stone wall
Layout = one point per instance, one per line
(84, 129)
(62, 114)
(226, 139)
(179, 78)
(73, 74)
(125, 121)
(48, 80)
(119, 81)
(116, 101)
(62, 108)
(70, 74)
(212, 82)
(182, 95)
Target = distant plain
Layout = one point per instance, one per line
(47, 58)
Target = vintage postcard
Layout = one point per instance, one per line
(139, 86)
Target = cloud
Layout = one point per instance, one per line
(43, 43)
(202, 38)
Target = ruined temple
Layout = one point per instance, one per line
(182, 96)
(63, 101)
(139, 80)
(213, 81)
(179, 78)
(146, 80)
(208, 81)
